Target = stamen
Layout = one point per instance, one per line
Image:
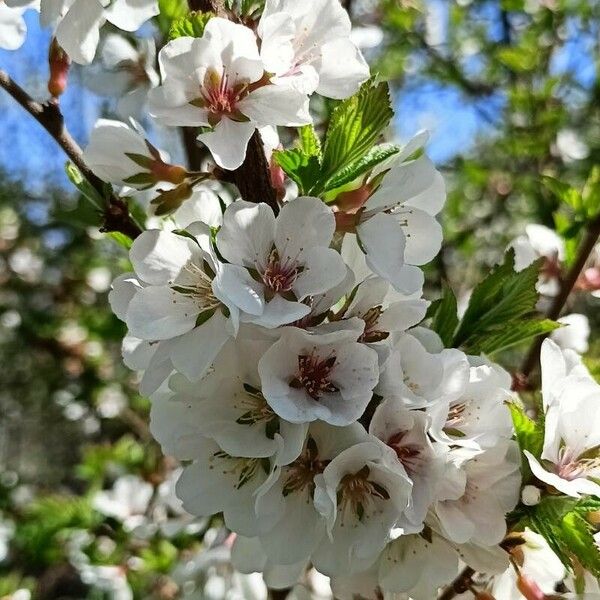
(314, 375)
(408, 454)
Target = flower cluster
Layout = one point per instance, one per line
(283, 353)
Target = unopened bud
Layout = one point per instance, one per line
(59, 63)
(354, 200)
(531, 495)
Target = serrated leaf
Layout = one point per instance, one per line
(355, 126)
(309, 141)
(190, 25)
(577, 535)
(304, 170)
(506, 337)
(501, 299)
(374, 157)
(445, 316)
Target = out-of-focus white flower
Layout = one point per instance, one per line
(77, 23)
(574, 334)
(111, 579)
(308, 46)
(13, 29)
(7, 531)
(540, 241)
(111, 401)
(570, 146)
(127, 501)
(126, 71)
(537, 562)
(208, 82)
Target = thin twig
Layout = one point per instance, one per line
(590, 239)
(49, 116)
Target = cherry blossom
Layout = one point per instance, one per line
(217, 81)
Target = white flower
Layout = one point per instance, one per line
(290, 255)
(219, 482)
(478, 418)
(77, 23)
(396, 226)
(177, 295)
(227, 406)
(540, 241)
(120, 155)
(360, 494)
(215, 81)
(569, 460)
(479, 492)
(570, 146)
(384, 311)
(537, 562)
(126, 71)
(307, 45)
(127, 501)
(421, 378)
(417, 566)
(327, 376)
(574, 334)
(109, 578)
(290, 491)
(405, 432)
(13, 29)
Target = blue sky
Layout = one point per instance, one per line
(28, 153)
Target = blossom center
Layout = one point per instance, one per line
(409, 454)
(356, 493)
(371, 333)
(199, 287)
(218, 94)
(279, 275)
(570, 466)
(301, 473)
(243, 470)
(314, 375)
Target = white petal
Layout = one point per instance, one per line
(342, 69)
(130, 15)
(276, 105)
(78, 32)
(228, 142)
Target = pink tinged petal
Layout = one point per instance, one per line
(159, 313)
(130, 15)
(247, 235)
(228, 142)
(194, 353)
(342, 69)
(276, 105)
(158, 257)
(78, 32)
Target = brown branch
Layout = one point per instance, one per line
(459, 586)
(592, 233)
(48, 115)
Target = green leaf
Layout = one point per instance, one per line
(84, 186)
(190, 25)
(564, 192)
(169, 10)
(445, 316)
(577, 535)
(355, 126)
(591, 193)
(309, 142)
(347, 174)
(529, 433)
(491, 342)
(301, 168)
(503, 298)
(123, 240)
